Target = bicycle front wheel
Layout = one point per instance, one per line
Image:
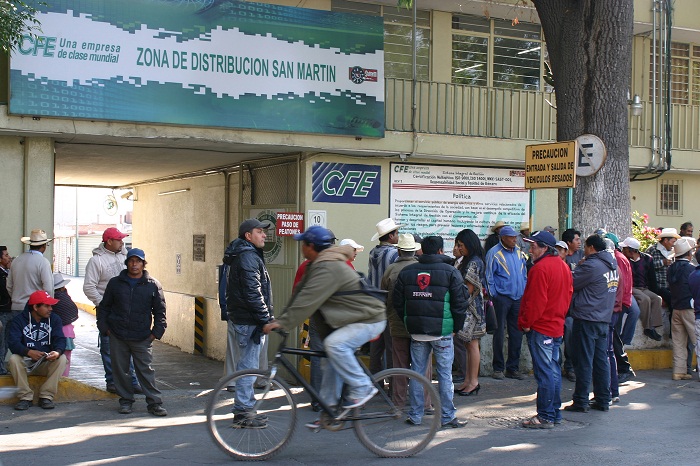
(382, 426)
(259, 433)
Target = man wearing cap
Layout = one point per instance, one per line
(380, 257)
(356, 247)
(36, 335)
(543, 308)
(662, 255)
(132, 314)
(683, 319)
(249, 306)
(562, 249)
(400, 338)
(30, 271)
(331, 291)
(5, 304)
(595, 287)
(493, 238)
(107, 261)
(644, 286)
(506, 275)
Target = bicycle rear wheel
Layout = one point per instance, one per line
(389, 435)
(267, 429)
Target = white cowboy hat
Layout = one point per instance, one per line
(669, 233)
(683, 245)
(408, 243)
(36, 238)
(385, 226)
(59, 281)
(351, 242)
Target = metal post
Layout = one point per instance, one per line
(569, 207)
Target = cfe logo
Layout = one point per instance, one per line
(345, 183)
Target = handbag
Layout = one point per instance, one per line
(473, 327)
(491, 321)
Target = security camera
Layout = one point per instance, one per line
(403, 156)
(127, 195)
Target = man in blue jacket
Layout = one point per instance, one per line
(431, 299)
(132, 314)
(249, 308)
(506, 275)
(37, 335)
(595, 285)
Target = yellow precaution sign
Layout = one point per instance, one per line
(551, 165)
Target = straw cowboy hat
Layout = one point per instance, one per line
(385, 226)
(683, 245)
(36, 238)
(669, 233)
(408, 243)
(499, 224)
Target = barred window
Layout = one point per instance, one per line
(684, 71)
(670, 197)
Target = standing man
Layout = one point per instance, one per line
(506, 275)
(430, 297)
(249, 307)
(572, 238)
(683, 319)
(36, 334)
(5, 305)
(400, 338)
(662, 255)
(595, 287)
(132, 315)
(30, 271)
(331, 292)
(543, 308)
(380, 257)
(107, 261)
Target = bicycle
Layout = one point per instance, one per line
(380, 425)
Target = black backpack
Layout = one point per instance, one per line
(367, 288)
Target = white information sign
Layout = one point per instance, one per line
(317, 217)
(442, 200)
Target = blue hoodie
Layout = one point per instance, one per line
(26, 334)
(595, 285)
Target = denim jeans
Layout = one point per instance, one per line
(589, 349)
(444, 355)
(249, 358)
(545, 357)
(614, 385)
(507, 311)
(341, 365)
(626, 332)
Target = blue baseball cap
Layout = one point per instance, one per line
(316, 235)
(135, 252)
(507, 231)
(542, 236)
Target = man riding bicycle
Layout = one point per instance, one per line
(351, 319)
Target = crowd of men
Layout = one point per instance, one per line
(553, 291)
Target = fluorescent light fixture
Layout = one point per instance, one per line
(529, 50)
(174, 192)
(469, 68)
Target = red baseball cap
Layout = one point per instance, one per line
(113, 233)
(41, 297)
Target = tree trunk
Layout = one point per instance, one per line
(590, 53)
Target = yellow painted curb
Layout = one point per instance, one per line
(68, 390)
(89, 308)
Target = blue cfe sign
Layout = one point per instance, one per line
(345, 183)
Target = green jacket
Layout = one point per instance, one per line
(397, 329)
(324, 276)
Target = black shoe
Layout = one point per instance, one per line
(23, 405)
(576, 408)
(455, 424)
(125, 408)
(475, 391)
(652, 333)
(599, 406)
(45, 403)
(625, 376)
(515, 375)
(157, 410)
(111, 388)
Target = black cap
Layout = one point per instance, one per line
(251, 224)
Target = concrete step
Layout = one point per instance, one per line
(68, 390)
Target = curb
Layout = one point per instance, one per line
(68, 390)
(650, 359)
(89, 308)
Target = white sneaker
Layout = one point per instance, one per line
(356, 403)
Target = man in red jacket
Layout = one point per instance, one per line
(542, 311)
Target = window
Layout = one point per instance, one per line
(685, 74)
(670, 195)
(515, 60)
(398, 37)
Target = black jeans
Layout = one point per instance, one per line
(507, 311)
(589, 345)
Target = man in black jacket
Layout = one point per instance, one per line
(431, 299)
(132, 314)
(249, 307)
(5, 305)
